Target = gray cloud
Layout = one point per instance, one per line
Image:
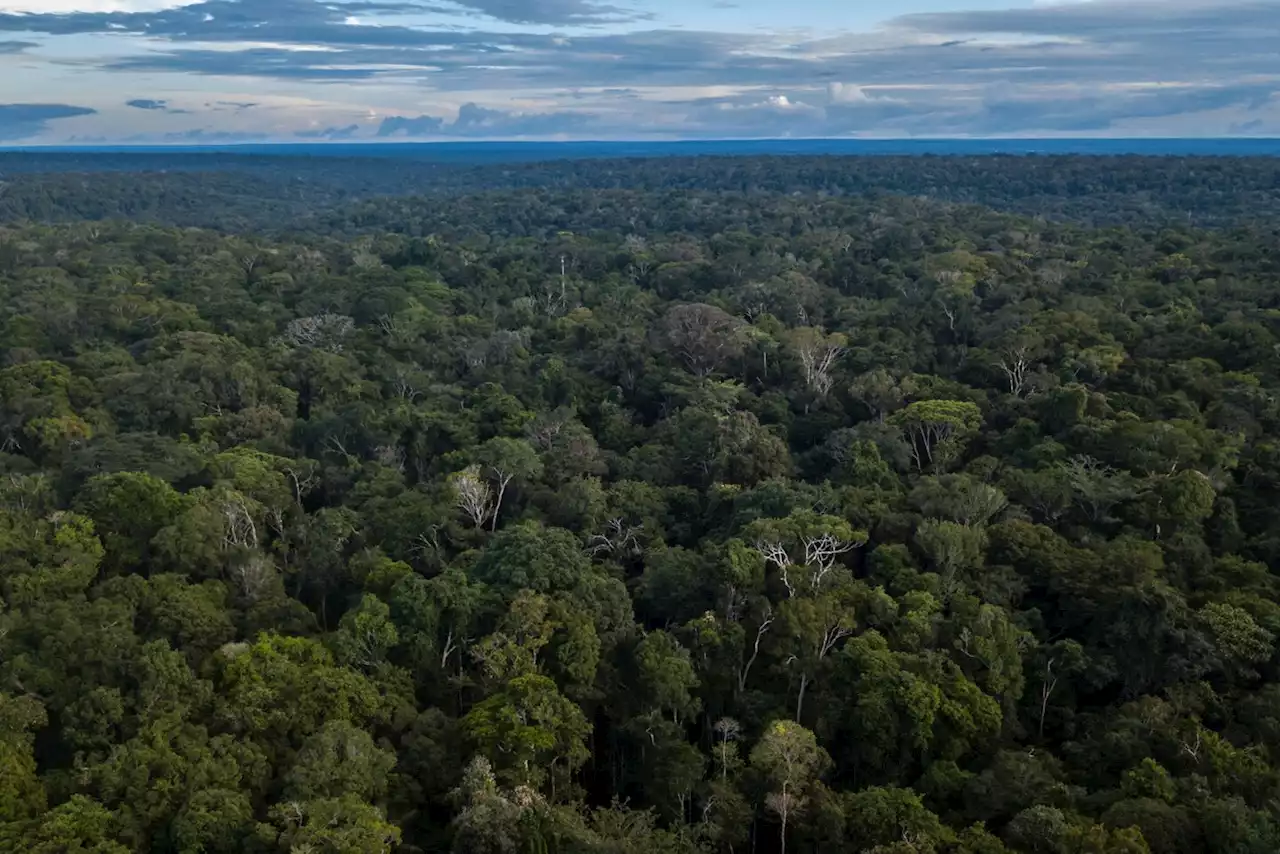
(1075, 67)
(154, 105)
(212, 137)
(11, 47)
(554, 12)
(1108, 20)
(20, 121)
(1060, 42)
(1092, 112)
(476, 121)
(330, 133)
(404, 126)
(314, 21)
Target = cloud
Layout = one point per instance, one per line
(214, 137)
(1088, 111)
(11, 47)
(553, 12)
(1109, 20)
(474, 120)
(64, 7)
(154, 105)
(329, 133)
(1098, 66)
(403, 126)
(20, 121)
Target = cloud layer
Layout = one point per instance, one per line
(547, 68)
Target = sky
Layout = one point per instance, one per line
(224, 71)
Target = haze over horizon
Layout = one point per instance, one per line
(223, 71)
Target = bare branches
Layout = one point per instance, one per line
(1015, 362)
(325, 331)
(820, 554)
(619, 539)
(776, 554)
(239, 531)
(473, 495)
(822, 551)
(818, 354)
(761, 630)
(702, 336)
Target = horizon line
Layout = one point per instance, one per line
(376, 142)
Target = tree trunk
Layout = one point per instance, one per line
(497, 507)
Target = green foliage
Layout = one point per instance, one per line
(528, 728)
(670, 506)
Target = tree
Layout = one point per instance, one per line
(22, 795)
(81, 825)
(341, 825)
(507, 460)
(817, 353)
(280, 690)
(488, 820)
(667, 678)
(128, 510)
(473, 496)
(937, 430)
(952, 549)
(339, 759)
(880, 392)
(366, 634)
(882, 816)
(789, 757)
(529, 731)
(701, 336)
(805, 548)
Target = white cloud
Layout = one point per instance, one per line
(846, 93)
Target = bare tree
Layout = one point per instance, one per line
(702, 336)
(1047, 686)
(820, 554)
(817, 353)
(1016, 362)
(618, 539)
(249, 261)
(766, 622)
(239, 530)
(822, 551)
(253, 576)
(325, 331)
(473, 495)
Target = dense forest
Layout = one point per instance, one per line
(801, 508)
(269, 194)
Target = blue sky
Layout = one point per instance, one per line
(178, 71)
